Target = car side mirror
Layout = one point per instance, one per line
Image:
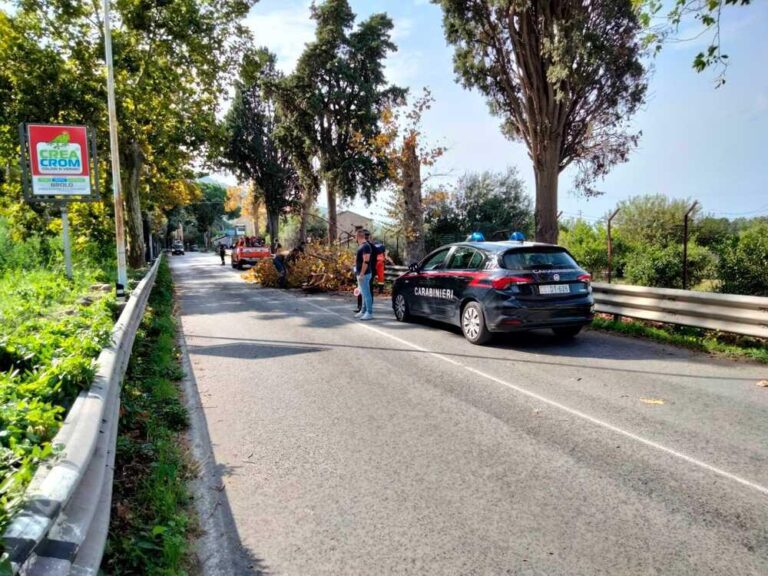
(413, 267)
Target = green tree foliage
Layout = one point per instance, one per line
(743, 265)
(252, 149)
(651, 226)
(210, 211)
(563, 76)
(589, 245)
(706, 12)
(171, 61)
(38, 84)
(714, 233)
(662, 266)
(337, 93)
(492, 203)
(653, 219)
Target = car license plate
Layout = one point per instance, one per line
(555, 289)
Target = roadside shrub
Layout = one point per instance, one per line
(150, 524)
(743, 266)
(49, 338)
(18, 254)
(589, 245)
(662, 267)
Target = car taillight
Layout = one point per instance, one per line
(586, 278)
(506, 281)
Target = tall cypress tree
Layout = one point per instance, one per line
(336, 95)
(252, 150)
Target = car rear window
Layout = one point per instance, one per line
(539, 259)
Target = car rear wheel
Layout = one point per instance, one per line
(400, 306)
(567, 331)
(473, 324)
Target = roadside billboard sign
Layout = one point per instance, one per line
(57, 163)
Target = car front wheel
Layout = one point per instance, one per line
(473, 324)
(400, 306)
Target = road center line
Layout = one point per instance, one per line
(558, 405)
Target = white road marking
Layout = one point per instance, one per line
(558, 405)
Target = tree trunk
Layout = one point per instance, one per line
(547, 171)
(332, 222)
(136, 246)
(306, 205)
(256, 208)
(413, 213)
(146, 235)
(273, 223)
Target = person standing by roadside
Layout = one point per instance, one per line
(222, 252)
(369, 240)
(364, 266)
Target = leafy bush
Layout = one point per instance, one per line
(652, 265)
(17, 254)
(743, 266)
(491, 203)
(589, 245)
(321, 267)
(653, 219)
(49, 339)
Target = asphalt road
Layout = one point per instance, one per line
(386, 448)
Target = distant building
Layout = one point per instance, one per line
(348, 222)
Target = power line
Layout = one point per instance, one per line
(581, 216)
(748, 213)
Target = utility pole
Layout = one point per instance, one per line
(610, 244)
(122, 273)
(685, 244)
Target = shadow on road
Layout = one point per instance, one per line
(253, 351)
(331, 311)
(302, 347)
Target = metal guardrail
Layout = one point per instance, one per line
(746, 315)
(62, 527)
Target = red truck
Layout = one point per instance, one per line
(248, 251)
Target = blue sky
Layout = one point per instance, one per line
(698, 142)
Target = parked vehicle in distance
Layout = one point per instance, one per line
(248, 251)
(488, 287)
(177, 249)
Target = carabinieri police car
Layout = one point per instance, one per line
(487, 287)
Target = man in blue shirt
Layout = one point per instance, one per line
(364, 266)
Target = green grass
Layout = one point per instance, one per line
(150, 520)
(731, 346)
(49, 339)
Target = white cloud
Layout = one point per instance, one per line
(403, 29)
(284, 31)
(403, 68)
